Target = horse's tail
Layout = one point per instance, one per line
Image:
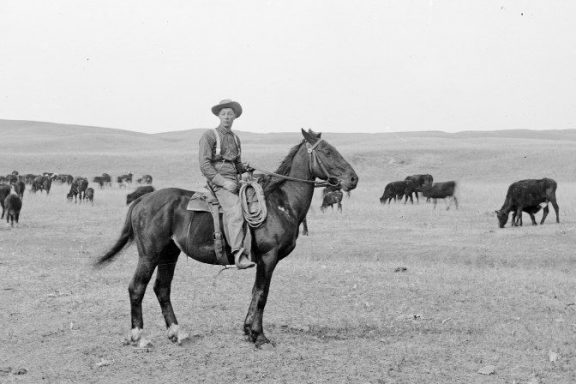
(123, 241)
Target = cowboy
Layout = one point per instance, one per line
(221, 164)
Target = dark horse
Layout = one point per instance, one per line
(162, 228)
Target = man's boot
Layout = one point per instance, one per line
(242, 260)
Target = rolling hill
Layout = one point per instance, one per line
(499, 156)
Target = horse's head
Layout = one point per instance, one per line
(327, 163)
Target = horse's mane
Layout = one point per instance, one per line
(271, 183)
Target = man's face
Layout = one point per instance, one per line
(227, 117)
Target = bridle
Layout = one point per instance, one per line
(313, 158)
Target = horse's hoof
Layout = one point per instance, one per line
(135, 335)
(144, 343)
(262, 341)
(266, 347)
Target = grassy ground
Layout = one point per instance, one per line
(472, 295)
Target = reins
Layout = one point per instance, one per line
(313, 158)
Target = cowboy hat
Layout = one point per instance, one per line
(227, 103)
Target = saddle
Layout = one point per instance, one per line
(207, 202)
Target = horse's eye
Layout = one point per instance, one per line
(328, 152)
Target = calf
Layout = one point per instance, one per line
(526, 195)
(331, 198)
(140, 191)
(89, 195)
(13, 206)
(393, 190)
(441, 191)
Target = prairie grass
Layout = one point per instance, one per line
(472, 294)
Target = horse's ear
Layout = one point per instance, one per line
(317, 135)
(310, 138)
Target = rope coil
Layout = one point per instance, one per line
(257, 215)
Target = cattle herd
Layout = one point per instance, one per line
(13, 185)
(528, 196)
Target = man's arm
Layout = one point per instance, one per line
(207, 141)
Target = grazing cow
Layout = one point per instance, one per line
(13, 206)
(124, 179)
(146, 179)
(527, 195)
(99, 180)
(77, 189)
(394, 190)
(140, 191)
(4, 191)
(89, 195)
(331, 198)
(441, 191)
(19, 188)
(107, 179)
(419, 181)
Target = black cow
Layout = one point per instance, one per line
(99, 180)
(77, 189)
(4, 191)
(19, 188)
(331, 198)
(419, 181)
(140, 191)
(394, 190)
(527, 195)
(89, 195)
(124, 179)
(13, 206)
(441, 191)
(107, 179)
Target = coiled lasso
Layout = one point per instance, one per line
(257, 217)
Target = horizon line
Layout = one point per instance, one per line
(289, 132)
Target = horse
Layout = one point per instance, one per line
(162, 228)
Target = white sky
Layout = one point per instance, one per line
(333, 65)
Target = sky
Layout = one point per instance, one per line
(332, 66)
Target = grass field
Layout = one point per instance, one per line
(473, 295)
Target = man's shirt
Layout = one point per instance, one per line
(228, 161)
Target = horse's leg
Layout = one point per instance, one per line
(136, 290)
(162, 288)
(532, 218)
(305, 227)
(253, 323)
